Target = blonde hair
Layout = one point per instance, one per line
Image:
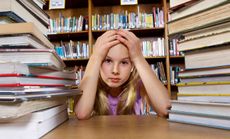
(128, 96)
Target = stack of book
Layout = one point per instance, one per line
(204, 31)
(34, 86)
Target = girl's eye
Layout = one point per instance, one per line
(107, 60)
(124, 62)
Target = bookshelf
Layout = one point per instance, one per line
(102, 7)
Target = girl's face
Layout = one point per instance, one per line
(116, 67)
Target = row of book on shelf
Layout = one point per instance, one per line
(68, 24)
(128, 20)
(150, 47)
(203, 33)
(123, 20)
(34, 84)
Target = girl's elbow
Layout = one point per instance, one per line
(165, 110)
(82, 115)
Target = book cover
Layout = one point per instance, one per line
(215, 121)
(15, 110)
(209, 17)
(34, 125)
(17, 8)
(24, 28)
(39, 57)
(210, 108)
(23, 41)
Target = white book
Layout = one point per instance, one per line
(18, 9)
(21, 41)
(20, 68)
(222, 109)
(215, 121)
(34, 57)
(15, 110)
(35, 125)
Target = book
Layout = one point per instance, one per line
(208, 57)
(222, 109)
(208, 40)
(204, 98)
(25, 41)
(206, 31)
(215, 120)
(42, 93)
(192, 8)
(204, 88)
(24, 28)
(38, 57)
(34, 80)
(20, 68)
(209, 78)
(18, 9)
(34, 125)
(15, 110)
(179, 3)
(218, 70)
(36, 11)
(208, 17)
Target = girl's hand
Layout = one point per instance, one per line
(104, 43)
(132, 42)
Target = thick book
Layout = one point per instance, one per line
(205, 41)
(192, 8)
(175, 4)
(208, 17)
(42, 93)
(34, 125)
(204, 88)
(20, 68)
(10, 111)
(208, 57)
(206, 31)
(222, 109)
(205, 78)
(18, 9)
(215, 120)
(24, 28)
(34, 80)
(204, 98)
(37, 57)
(219, 70)
(23, 41)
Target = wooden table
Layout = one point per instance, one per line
(132, 127)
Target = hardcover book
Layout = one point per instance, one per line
(34, 125)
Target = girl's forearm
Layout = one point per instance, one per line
(156, 91)
(88, 85)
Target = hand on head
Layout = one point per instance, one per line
(114, 37)
(104, 43)
(132, 42)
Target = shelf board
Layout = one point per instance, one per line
(117, 2)
(146, 32)
(177, 57)
(70, 62)
(156, 57)
(70, 4)
(82, 35)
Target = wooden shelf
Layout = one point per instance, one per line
(70, 62)
(82, 35)
(117, 2)
(70, 4)
(146, 32)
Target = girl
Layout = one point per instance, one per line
(118, 78)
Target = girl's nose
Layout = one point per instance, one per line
(115, 70)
